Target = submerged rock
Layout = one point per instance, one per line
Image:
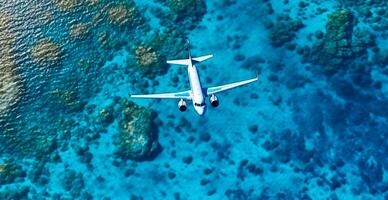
(137, 138)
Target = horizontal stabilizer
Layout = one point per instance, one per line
(202, 58)
(179, 62)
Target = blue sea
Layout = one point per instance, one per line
(315, 125)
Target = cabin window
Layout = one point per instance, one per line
(199, 104)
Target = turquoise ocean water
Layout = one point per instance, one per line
(313, 127)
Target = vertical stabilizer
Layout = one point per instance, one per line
(188, 47)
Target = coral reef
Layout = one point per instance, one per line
(124, 15)
(149, 61)
(145, 56)
(151, 55)
(137, 139)
(46, 53)
(79, 31)
(66, 5)
(10, 86)
(69, 5)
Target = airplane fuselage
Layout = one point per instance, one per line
(196, 89)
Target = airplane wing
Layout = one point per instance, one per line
(174, 95)
(221, 88)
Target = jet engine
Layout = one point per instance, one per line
(182, 105)
(214, 100)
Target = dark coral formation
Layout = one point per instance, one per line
(39, 173)
(34, 143)
(73, 182)
(185, 13)
(106, 115)
(284, 31)
(351, 124)
(43, 145)
(340, 45)
(15, 193)
(9, 172)
(381, 57)
(67, 99)
(137, 139)
(183, 6)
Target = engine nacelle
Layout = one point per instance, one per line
(214, 101)
(182, 105)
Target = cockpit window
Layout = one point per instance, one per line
(199, 104)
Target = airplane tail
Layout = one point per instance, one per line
(187, 61)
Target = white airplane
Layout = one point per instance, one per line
(197, 93)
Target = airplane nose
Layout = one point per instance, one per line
(201, 111)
